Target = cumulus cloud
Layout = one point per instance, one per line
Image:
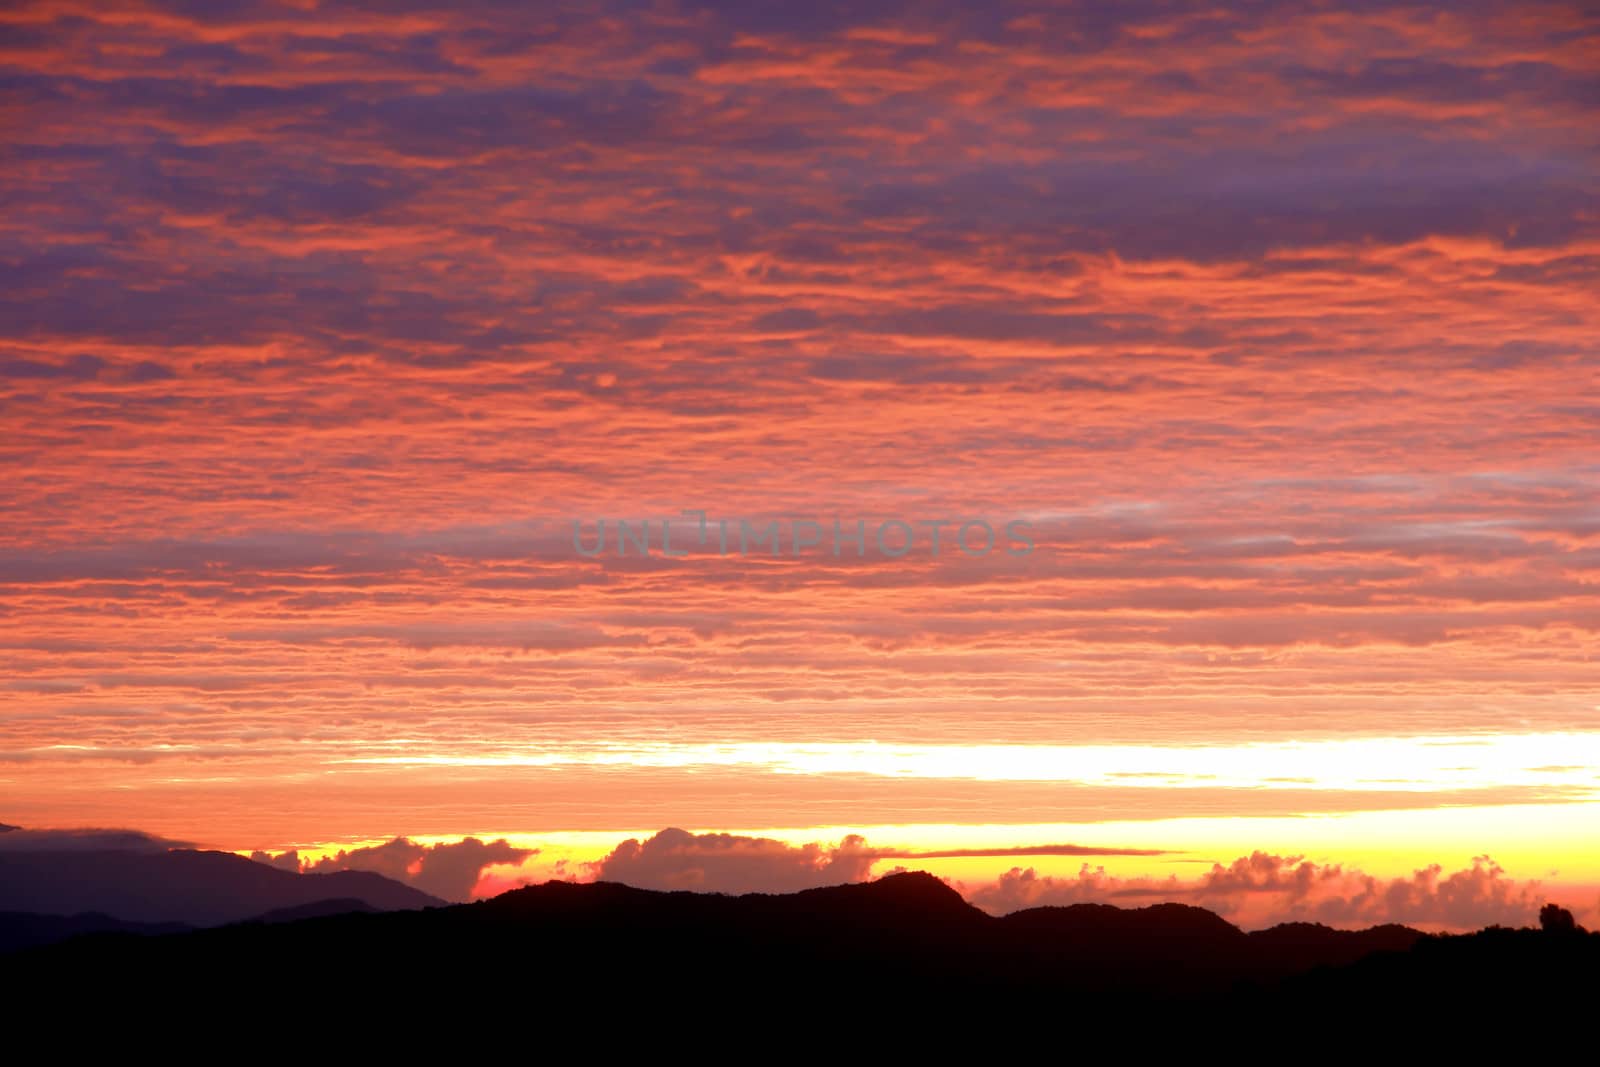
(284, 861)
(729, 863)
(451, 871)
(732, 863)
(1264, 888)
(1481, 895)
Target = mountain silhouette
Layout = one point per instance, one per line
(905, 953)
(180, 886)
(1291, 948)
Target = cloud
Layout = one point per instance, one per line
(733, 863)
(284, 861)
(1020, 850)
(1481, 895)
(450, 871)
(729, 863)
(1273, 316)
(1263, 888)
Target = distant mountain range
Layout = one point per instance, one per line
(180, 886)
(904, 953)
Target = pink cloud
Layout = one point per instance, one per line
(1262, 889)
(729, 863)
(451, 871)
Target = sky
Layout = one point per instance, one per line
(1272, 325)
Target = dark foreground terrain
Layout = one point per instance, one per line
(904, 955)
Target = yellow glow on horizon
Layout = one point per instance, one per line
(1569, 761)
(1549, 842)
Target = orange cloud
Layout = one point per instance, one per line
(1278, 326)
(450, 871)
(1262, 889)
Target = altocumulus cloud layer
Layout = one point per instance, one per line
(1277, 324)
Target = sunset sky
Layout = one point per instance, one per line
(1276, 324)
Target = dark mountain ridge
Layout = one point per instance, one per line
(903, 943)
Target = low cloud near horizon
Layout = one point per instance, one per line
(733, 863)
(1263, 889)
(450, 871)
(1252, 891)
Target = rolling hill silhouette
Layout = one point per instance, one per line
(907, 942)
